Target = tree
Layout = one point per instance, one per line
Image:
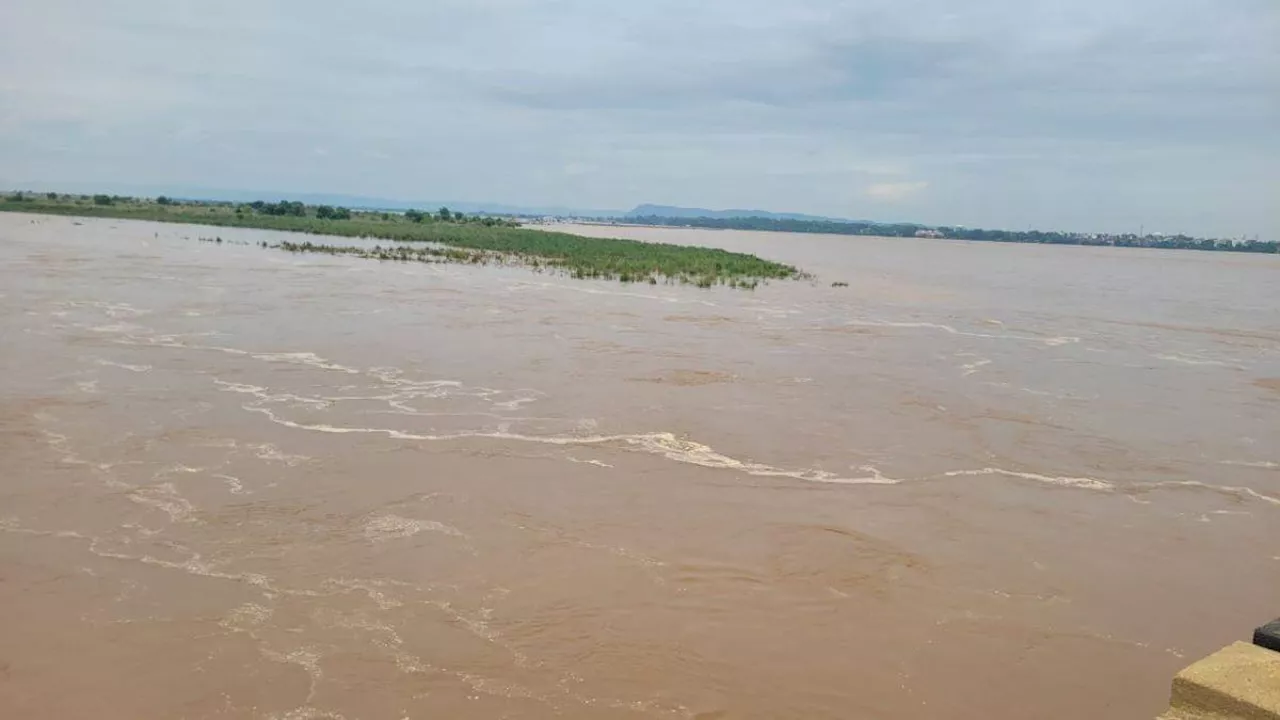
(324, 212)
(341, 213)
(444, 214)
(162, 200)
(284, 207)
(52, 195)
(103, 200)
(414, 216)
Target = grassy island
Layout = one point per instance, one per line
(441, 236)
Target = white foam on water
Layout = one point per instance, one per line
(375, 311)
(664, 444)
(687, 451)
(525, 397)
(1183, 359)
(382, 528)
(306, 658)
(1054, 395)
(388, 640)
(241, 387)
(165, 497)
(246, 616)
(88, 386)
(1259, 464)
(193, 565)
(179, 341)
(113, 310)
(301, 358)
(234, 484)
(61, 444)
(261, 393)
(1236, 491)
(117, 328)
(597, 463)
(371, 588)
(178, 468)
(1086, 483)
(271, 453)
(975, 366)
(1051, 342)
(123, 366)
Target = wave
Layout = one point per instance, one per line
(1259, 464)
(597, 463)
(664, 444)
(1236, 491)
(113, 310)
(948, 329)
(234, 484)
(1195, 361)
(1086, 483)
(301, 358)
(123, 366)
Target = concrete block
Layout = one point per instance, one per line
(1239, 682)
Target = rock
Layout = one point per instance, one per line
(1268, 636)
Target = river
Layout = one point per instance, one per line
(982, 481)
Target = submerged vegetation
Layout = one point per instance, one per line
(442, 236)
(427, 253)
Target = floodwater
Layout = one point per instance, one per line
(982, 481)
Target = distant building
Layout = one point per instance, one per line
(929, 234)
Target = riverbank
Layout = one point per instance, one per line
(475, 239)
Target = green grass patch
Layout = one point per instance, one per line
(475, 240)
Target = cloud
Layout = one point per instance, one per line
(1088, 115)
(894, 191)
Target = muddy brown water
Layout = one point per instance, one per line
(983, 481)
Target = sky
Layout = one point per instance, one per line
(1091, 115)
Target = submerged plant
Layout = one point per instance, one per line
(447, 236)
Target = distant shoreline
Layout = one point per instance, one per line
(910, 231)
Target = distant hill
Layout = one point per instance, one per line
(671, 211)
(365, 202)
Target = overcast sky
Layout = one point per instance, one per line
(1088, 114)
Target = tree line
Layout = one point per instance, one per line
(831, 227)
(281, 209)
